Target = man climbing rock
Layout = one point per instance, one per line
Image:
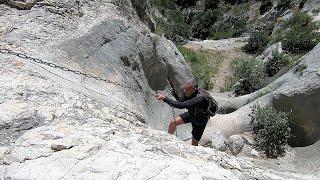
(200, 107)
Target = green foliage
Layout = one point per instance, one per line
(161, 26)
(204, 65)
(202, 22)
(268, 28)
(175, 29)
(301, 36)
(211, 4)
(239, 27)
(251, 75)
(299, 40)
(179, 24)
(240, 9)
(235, 1)
(278, 61)
(266, 5)
(230, 81)
(283, 4)
(163, 3)
(226, 30)
(256, 43)
(301, 19)
(222, 34)
(301, 3)
(186, 3)
(271, 130)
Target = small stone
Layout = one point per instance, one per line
(19, 64)
(59, 147)
(218, 141)
(255, 153)
(235, 144)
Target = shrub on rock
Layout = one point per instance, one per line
(251, 75)
(278, 61)
(256, 43)
(271, 129)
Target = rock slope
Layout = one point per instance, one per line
(104, 38)
(74, 136)
(58, 124)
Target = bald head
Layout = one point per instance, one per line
(190, 87)
(191, 82)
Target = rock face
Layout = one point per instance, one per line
(82, 137)
(301, 81)
(20, 4)
(312, 7)
(267, 54)
(300, 99)
(107, 39)
(66, 126)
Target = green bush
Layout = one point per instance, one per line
(222, 34)
(271, 130)
(251, 75)
(201, 23)
(301, 35)
(301, 19)
(239, 27)
(299, 40)
(266, 5)
(301, 3)
(175, 28)
(256, 43)
(186, 3)
(211, 4)
(223, 30)
(278, 61)
(240, 9)
(163, 3)
(235, 1)
(283, 4)
(180, 24)
(226, 30)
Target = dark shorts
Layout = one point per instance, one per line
(198, 126)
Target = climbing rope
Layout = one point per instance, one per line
(63, 68)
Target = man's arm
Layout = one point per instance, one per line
(183, 98)
(185, 104)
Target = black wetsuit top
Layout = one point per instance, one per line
(196, 104)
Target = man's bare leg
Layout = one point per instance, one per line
(174, 123)
(194, 142)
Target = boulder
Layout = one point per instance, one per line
(235, 144)
(267, 54)
(312, 7)
(218, 142)
(21, 4)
